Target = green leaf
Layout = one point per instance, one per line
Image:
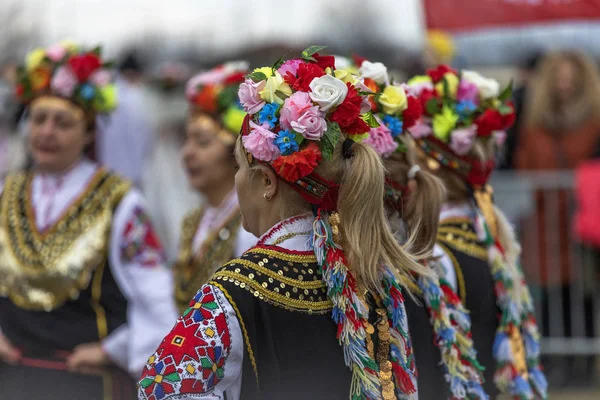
(278, 63)
(257, 76)
(370, 119)
(299, 138)
(146, 382)
(362, 93)
(432, 106)
(281, 95)
(108, 65)
(97, 51)
(505, 110)
(330, 139)
(446, 88)
(307, 53)
(506, 93)
(401, 147)
(173, 377)
(227, 96)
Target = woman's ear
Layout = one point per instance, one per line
(270, 183)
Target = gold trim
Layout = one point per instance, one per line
(98, 308)
(460, 278)
(242, 325)
(472, 249)
(286, 302)
(456, 220)
(299, 258)
(282, 278)
(458, 232)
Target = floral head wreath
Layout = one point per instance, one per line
(458, 108)
(212, 96)
(71, 72)
(297, 110)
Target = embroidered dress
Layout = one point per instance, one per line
(210, 236)
(78, 257)
(503, 326)
(262, 328)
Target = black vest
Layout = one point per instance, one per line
(59, 297)
(475, 287)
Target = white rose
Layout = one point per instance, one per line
(488, 88)
(342, 62)
(328, 92)
(376, 71)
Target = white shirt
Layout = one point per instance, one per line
(144, 281)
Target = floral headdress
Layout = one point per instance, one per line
(297, 111)
(458, 108)
(71, 72)
(213, 94)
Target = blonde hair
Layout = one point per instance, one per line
(541, 98)
(422, 210)
(367, 238)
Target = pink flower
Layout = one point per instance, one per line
(462, 140)
(64, 82)
(260, 142)
(422, 128)
(467, 91)
(365, 106)
(381, 140)
(250, 97)
(301, 115)
(499, 137)
(289, 66)
(56, 52)
(101, 78)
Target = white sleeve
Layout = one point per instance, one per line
(138, 264)
(202, 356)
(445, 262)
(244, 241)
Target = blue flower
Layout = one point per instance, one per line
(267, 114)
(393, 124)
(87, 91)
(464, 108)
(286, 141)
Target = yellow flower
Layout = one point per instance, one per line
(268, 71)
(40, 78)
(70, 45)
(419, 79)
(393, 100)
(35, 58)
(233, 118)
(274, 84)
(107, 99)
(344, 76)
(444, 123)
(452, 81)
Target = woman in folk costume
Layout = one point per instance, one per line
(84, 293)
(213, 234)
(414, 198)
(465, 116)
(316, 308)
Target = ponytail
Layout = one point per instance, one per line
(368, 240)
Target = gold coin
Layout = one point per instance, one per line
(381, 312)
(370, 347)
(386, 366)
(369, 328)
(384, 335)
(388, 394)
(389, 385)
(385, 375)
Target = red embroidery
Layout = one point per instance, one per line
(140, 243)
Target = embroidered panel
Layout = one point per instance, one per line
(140, 243)
(191, 358)
(459, 234)
(285, 279)
(42, 270)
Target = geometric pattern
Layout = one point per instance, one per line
(140, 244)
(191, 358)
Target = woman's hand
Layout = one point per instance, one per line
(88, 358)
(8, 353)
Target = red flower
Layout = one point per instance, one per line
(324, 61)
(19, 90)
(299, 164)
(427, 95)
(358, 60)
(305, 74)
(491, 120)
(438, 73)
(206, 99)
(509, 119)
(84, 65)
(235, 78)
(358, 127)
(347, 112)
(412, 113)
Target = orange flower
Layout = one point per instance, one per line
(40, 78)
(206, 99)
(299, 164)
(373, 87)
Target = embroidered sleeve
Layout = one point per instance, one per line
(201, 357)
(140, 243)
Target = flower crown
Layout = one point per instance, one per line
(458, 108)
(214, 92)
(394, 108)
(66, 70)
(297, 110)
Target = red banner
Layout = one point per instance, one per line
(461, 15)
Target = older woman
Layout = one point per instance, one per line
(78, 255)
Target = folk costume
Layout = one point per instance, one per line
(211, 236)
(78, 255)
(270, 324)
(475, 242)
(436, 318)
